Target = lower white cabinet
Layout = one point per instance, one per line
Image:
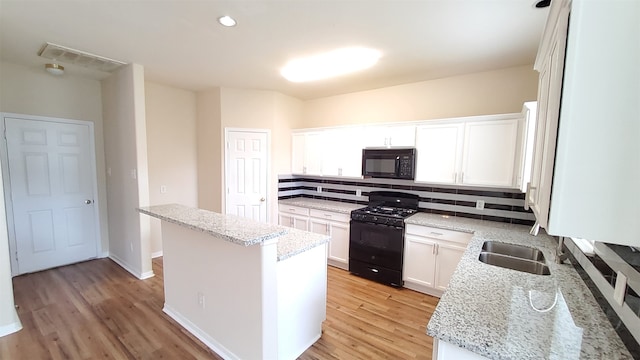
(431, 255)
(294, 217)
(335, 225)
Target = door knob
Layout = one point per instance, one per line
(88, 201)
(262, 199)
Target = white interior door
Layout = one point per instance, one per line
(52, 180)
(246, 174)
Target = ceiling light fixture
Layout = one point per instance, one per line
(227, 21)
(330, 64)
(54, 69)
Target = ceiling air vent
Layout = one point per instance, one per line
(77, 57)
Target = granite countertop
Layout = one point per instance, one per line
(326, 205)
(236, 229)
(507, 314)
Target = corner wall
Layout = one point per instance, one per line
(494, 92)
(172, 150)
(127, 173)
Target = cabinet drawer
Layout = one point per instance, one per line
(439, 234)
(293, 210)
(330, 216)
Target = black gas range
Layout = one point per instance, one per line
(376, 240)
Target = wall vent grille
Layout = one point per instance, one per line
(72, 56)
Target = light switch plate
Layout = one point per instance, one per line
(480, 204)
(319, 188)
(620, 289)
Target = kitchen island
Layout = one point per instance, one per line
(493, 312)
(248, 290)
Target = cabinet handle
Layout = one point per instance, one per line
(435, 233)
(462, 177)
(327, 229)
(327, 215)
(292, 209)
(304, 169)
(455, 177)
(291, 222)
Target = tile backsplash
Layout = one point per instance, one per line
(503, 205)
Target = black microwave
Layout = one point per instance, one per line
(390, 163)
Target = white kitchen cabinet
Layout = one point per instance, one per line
(490, 153)
(294, 217)
(390, 136)
(471, 152)
(587, 158)
(306, 153)
(431, 255)
(342, 153)
(335, 225)
(438, 149)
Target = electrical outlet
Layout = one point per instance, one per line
(358, 192)
(319, 188)
(201, 302)
(480, 204)
(621, 288)
(163, 189)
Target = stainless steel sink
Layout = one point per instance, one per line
(519, 251)
(515, 257)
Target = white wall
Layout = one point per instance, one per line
(493, 92)
(209, 138)
(9, 321)
(126, 161)
(32, 91)
(171, 150)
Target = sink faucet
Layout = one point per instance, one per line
(561, 256)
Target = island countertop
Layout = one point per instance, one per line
(507, 314)
(238, 230)
(232, 228)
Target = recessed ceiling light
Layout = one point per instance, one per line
(227, 21)
(333, 63)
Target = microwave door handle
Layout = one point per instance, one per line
(397, 170)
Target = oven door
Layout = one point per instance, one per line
(376, 244)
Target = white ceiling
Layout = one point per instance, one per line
(179, 42)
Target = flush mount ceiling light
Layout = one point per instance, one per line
(227, 21)
(330, 64)
(54, 69)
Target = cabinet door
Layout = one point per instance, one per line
(389, 135)
(550, 90)
(448, 256)
(301, 223)
(490, 149)
(342, 152)
(339, 244)
(319, 227)
(437, 152)
(313, 150)
(419, 261)
(285, 220)
(297, 153)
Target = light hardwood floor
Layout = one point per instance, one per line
(97, 310)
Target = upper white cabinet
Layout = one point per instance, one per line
(306, 153)
(342, 153)
(470, 152)
(390, 136)
(490, 153)
(587, 150)
(438, 152)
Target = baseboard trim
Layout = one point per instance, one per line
(199, 333)
(11, 328)
(156, 254)
(129, 269)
